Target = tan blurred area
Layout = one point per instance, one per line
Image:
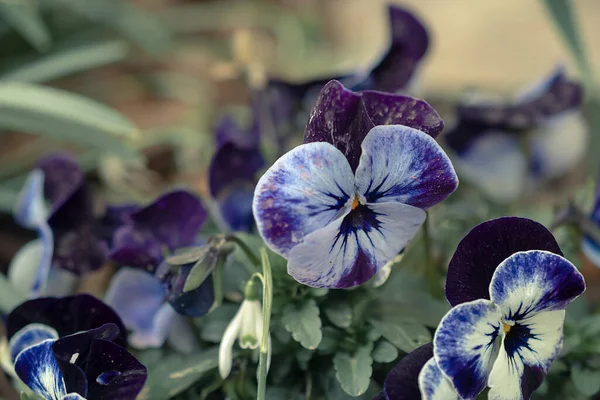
(496, 45)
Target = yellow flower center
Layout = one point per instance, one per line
(506, 327)
(355, 203)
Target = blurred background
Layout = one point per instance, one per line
(167, 70)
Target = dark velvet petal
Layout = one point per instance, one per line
(174, 219)
(194, 303)
(67, 315)
(136, 248)
(343, 118)
(231, 164)
(114, 217)
(408, 32)
(80, 250)
(402, 382)
(74, 348)
(228, 130)
(113, 372)
(488, 244)
(63, 177)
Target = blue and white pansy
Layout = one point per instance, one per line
(509, 286)
(348, 200)
(72, 348)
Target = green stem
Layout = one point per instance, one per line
(264, 344)
(245, 248)
(217, 277)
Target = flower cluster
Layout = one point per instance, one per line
(509, 285)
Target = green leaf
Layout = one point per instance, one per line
(563, 15)
(64, 116)
(304, 323)
(130, 21)
(354, 371)
(66, 62)
(339, 313)
(25, 18)
(24, 396)
(213, 325)
(384, 352)
(175, 373)
(587, 381)
(406, 335)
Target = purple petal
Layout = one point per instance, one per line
(228, 130)
(80, 250)
(235, 207)
(402, 382)
(465, 345)
(113, 372)
(303, 191)
(67, 315)
(343, 118)
(232, 164)
(488, 244)
(401, 164)
(174, 219)
(64, 177)
(408, 45)
(114, 217)
(74, 349)
(136, 248)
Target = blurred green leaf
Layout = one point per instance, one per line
(10, 296)
(406, 335)
(123, 16)
(384, 352)
(175, 373)
(8, 198)
(339, 313)
(66, 62)
(354, 371)
(63, 116)
(563, 14)
(24, 17)
(586, 380)
(213, 325)
(304, 323)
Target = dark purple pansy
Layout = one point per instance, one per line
(488, 244)
(343, 118)
(73, 346)
(402, 382)
(232, 172)
(192, 303)
(170, 222)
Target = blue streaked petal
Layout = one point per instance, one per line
(559, 144)
(533, 281)
(31, 210)
(235, 207)
(303, 191)
(156, 334)
(73, 396)
(591, 250)
(137, 297)
(527, 351)
(350, 250)
(27, 267)
(434, 385)
(30, 335)
(402, 164)
(38, 369)
(465, 345)
(495, 163)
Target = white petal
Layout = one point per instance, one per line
(434, 385)
(226, 346)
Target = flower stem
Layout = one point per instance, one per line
(245, 248)
(264, 344)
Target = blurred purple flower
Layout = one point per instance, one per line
(73, 348)
(490, 137)
(332, 205)
(232, 172)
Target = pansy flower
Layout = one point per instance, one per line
(503, 147)
(509, 286)
(417, 376)
(348, 200)
(57, 202)
(232, 172)
(395, 70)
(148, 298)
(72, 348)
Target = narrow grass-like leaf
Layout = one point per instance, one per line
(24, 17)
(63, 116)
(70, 61)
